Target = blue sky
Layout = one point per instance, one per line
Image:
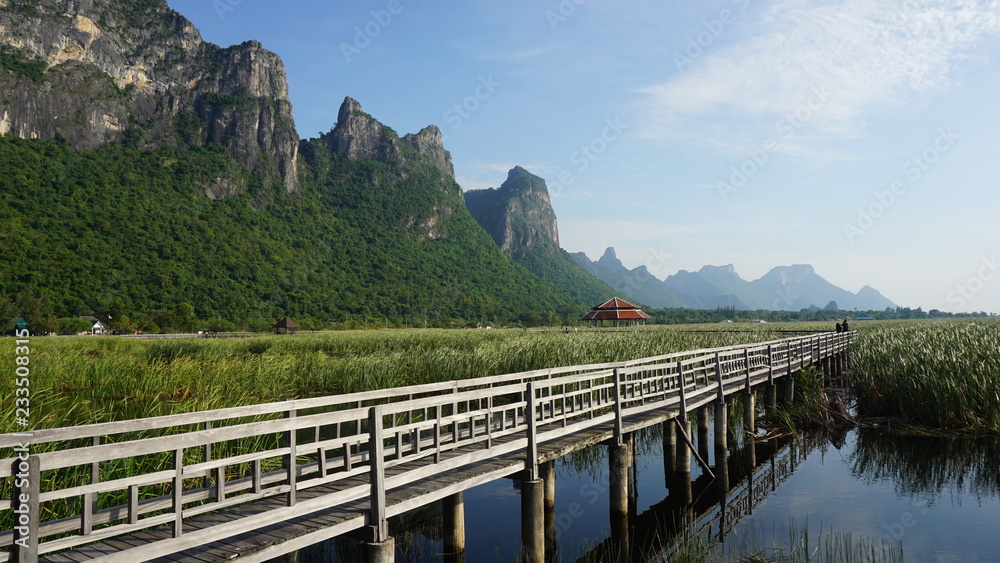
(856, 136)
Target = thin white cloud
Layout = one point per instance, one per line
(867, 55)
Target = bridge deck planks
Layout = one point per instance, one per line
(271, 536)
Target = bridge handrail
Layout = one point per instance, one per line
(414, 422)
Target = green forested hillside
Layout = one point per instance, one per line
(115, 231)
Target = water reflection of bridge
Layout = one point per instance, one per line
(709, 507)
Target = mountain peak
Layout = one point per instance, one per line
(609, 258)
(519, 214)
(430, 143)
(359, 136)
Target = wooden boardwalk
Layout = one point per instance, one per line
(262, 481)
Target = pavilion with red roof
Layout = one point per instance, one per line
(618, 311)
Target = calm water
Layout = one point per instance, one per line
(939, 497)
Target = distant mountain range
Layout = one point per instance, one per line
(784, 288)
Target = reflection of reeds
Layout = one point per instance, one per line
(925, 466)
(939, 374)
(792, 545)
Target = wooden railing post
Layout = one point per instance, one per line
(289, 462)
(616, 377)
(680, 377)
(770, 364)
(378, 519)
(718, 376)
(178, 493)
(90, 499)
(746, 361)
(24, 501)
(531, 459)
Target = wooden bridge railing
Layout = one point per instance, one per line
(117, 478)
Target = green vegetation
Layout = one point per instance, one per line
(937, 374)
(16, 62)
(129, 234)
(95, 379)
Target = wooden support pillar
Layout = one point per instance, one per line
(669, 445)
(722, 469)
(619, 460)
(533, 521)
(788, 391)
(750, 457)
(721, 425)
(381, 552)
(749, 413)
(548, 475)
(453, 517)
(703, 447)
(683, 458)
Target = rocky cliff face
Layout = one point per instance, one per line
(518, 214)
(359, 136)
(94, 73)
(519, 217)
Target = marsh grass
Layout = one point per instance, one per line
(935, 374)
(85, 380)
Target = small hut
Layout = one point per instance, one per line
(282, 326)
(617, 311)
(19, 327)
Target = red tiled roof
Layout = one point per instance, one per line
(616, 315)
(615, 303)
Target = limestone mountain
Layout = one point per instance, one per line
(519, 217)
(637, 283)
(116, 71)
(783, 288)
(798, 286)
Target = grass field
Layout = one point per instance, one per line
(94, 379)
(943, 374)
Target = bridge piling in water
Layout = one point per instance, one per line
(547, 472)
(453, 520)
(703, 433)
(669, 446)
(533, 521)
